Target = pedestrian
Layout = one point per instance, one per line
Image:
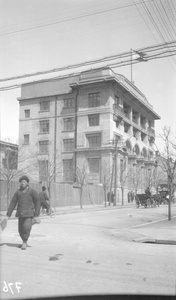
(44, 200)
(112, 197)
(129, 196)
(147, 192)
(28, 209)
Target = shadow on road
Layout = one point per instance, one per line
(10, 245)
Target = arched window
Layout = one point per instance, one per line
(136, 150)
(128, 145)
(144, 152)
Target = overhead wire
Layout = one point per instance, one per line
(145, 21)
(171, 11)
(171, 25)
(70, 19)
(90, 62)
(124, 55)
(153, 21)
(156, 27)
(112, 65)
(165, 22)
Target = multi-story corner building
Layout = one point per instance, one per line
(85, 120)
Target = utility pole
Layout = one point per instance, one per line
(55, 137)
(112, 175)
(115, 175)
(131, 65)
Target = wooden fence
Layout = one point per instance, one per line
(61, 194)
(68, 195)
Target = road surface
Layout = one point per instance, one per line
(89, 253)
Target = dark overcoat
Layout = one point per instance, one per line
(27, 202)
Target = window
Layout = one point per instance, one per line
(68, 145)
(69, 103)
(118, 103)
(68, 174)
(26, 139)
(94, 165)
(94, 140)
(93, 120)
(43, 170)
(116, 100)
(11, 160)
(94, 99)
(27, 113)
(43, 146)
(44, 126)
(69, 124)
(122, 169)
(44, 105)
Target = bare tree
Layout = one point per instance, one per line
(48, 168)
(123, 176)
(9, 166)
(158, 176)
(167, 161)
(136, 177)
(106, 179)
(81, 180)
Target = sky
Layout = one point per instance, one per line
(40, 35)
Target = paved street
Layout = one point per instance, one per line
(91, 252)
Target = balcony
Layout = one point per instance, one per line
(127, 115)
(151, 131)
(135, 121)
(143, 126)
(118, 109)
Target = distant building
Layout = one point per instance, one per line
(8, 156)
(77, 120)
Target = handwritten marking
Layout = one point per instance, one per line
(12, 287)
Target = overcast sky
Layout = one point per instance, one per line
(39, 35)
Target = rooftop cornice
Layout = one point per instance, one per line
(120, 79)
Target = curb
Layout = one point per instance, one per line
(154, 241)
(61, 210)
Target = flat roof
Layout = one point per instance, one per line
(64, 85)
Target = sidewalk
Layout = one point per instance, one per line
(77, 209)
(159, 232)
(91, 207)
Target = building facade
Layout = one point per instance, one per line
(91, 122)
(8, 156)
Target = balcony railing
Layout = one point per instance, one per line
(143, 126)
(127, 115)
(135, 121)
(151, 131)
(118, 108)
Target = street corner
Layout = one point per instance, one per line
(144, 239)
(158, 232)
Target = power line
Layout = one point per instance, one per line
(70, 19)
(153, 21)
(145, 21)
(155, 25)
(163, 54)
(97, 61)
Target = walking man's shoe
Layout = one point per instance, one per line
(24, 246)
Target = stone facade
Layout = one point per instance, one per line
(88, 122)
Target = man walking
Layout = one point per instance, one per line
(44, 199)
(28, 209)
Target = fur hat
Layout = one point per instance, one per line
(24, 178)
